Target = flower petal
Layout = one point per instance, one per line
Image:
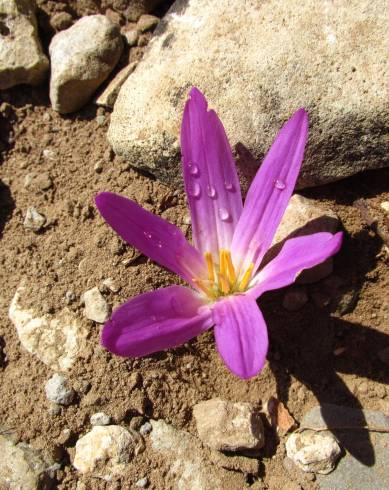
(270, 192)
(296, 255)
(155, 321)
(241, 335)
(152, 235)
(211, 181)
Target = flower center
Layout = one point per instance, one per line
(222, 278)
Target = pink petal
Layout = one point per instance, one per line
(152, 235)
(211, 181)
(270, 192)
(241, 335)
(296, 255)
(156, 321)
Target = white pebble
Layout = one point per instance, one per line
(33, 220)
(142, 483)
(96, 308)
(100, 418)
(58, 391)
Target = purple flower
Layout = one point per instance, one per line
(223, 267)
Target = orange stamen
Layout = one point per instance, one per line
(246, 278)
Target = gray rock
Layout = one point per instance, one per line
(57, 390)
(82, 57)
(315, 452)
(100, 418)
(21, 57)
(228, 426)
(96, 308)
(23, 468)
(188, 461)
(33, 220)
(365, 464)
(267, 59)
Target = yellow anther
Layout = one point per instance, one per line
(211, 269)
(223, 284)
(223, 262)
(230, 268)
(246, 278)
(200, 284)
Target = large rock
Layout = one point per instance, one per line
(228, 426)
(21, 57)
(23, 468)
(257, 62)
(57, 340)
(82, 57)
(189, 463)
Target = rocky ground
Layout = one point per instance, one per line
(73, 416)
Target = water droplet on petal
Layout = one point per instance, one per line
(278, 184)
(159, 244)
(147, 234)
(211, 191)
(228, 186)
(193, 169)
(194, 189)
(224, 215)
(153, 318)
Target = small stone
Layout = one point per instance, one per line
(280, 417)
(147, 22)
(294, 299)
(98, 167)
(49, 154)
(33, 220)
(100, 119)
(228, 426)
(110, 446)
(61, 21)
(70, 297)
(82, 57)
(145, 429)
(96, 308)
(385, 206)
(100, 418)
(58, 391)
(131, 35)
(142, 482)
(38, 182)
(111, 285)
(108, 97)
(313, 451)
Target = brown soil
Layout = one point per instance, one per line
(77, 251)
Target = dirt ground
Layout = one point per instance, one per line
(325, 352)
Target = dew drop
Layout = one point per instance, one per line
(159, 244)
(211, 191)
(193, 169)
(147, 234)
(228, 186)
(153, 318)
(278, 184)
(195, 189)
(224, 215)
